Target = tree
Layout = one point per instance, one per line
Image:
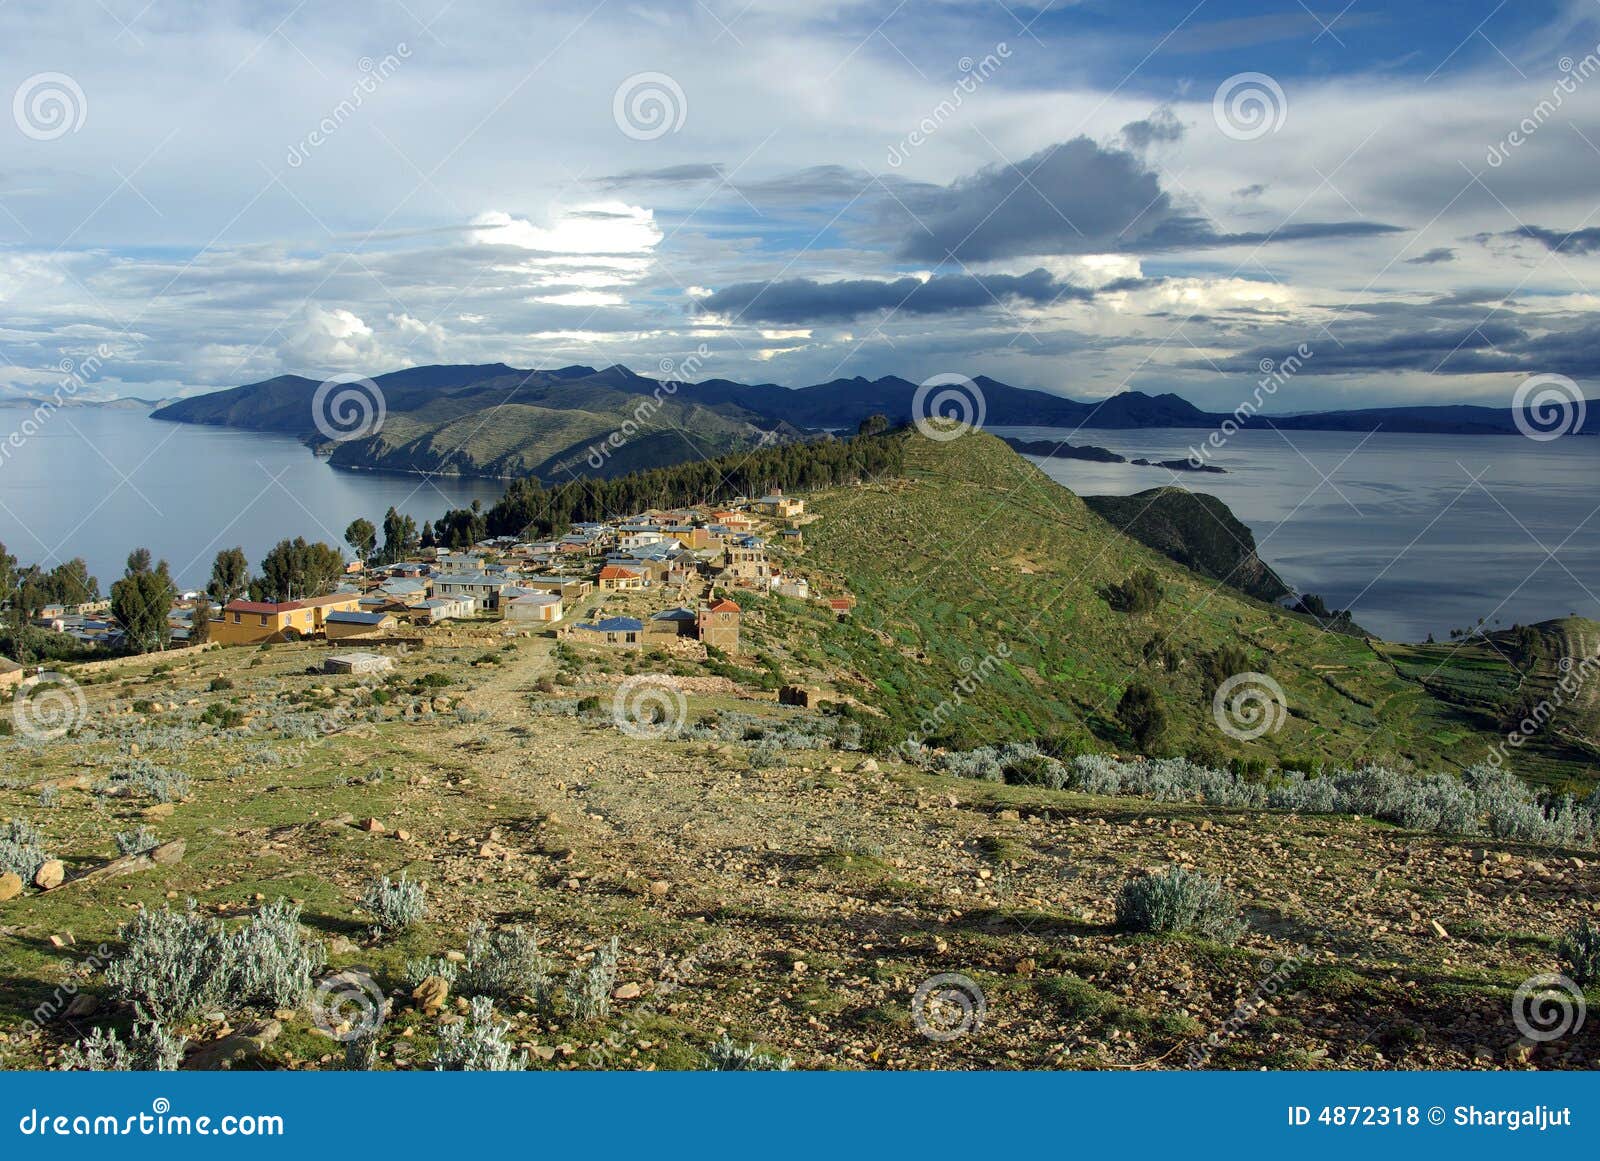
(1141, 713)
(296, 569)
(70, 583)
(200, 622)
(362, 537)
(874, 425)
(230, 576)
(399, 534)
(140, 602)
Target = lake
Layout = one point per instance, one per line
(1416, 534)
(96, 482)
(1398, 530)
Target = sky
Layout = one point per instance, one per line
(1081, 198)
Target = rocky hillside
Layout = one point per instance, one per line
(1196, 530)
(765, 883)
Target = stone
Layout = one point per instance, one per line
(869, 766)
(51, 874)
(242, 1048)
(1026, 967)
(403, 835)
(370, 825)
(660, 887)
(158, 810)
(10, 886)
(1438, 929)
(626, 992)
(167, 854)
(430, 995)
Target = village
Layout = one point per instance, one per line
(657, 578)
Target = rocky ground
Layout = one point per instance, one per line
(797, 903)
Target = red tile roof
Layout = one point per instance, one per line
(616, 572)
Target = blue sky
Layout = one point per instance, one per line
(1080, 197)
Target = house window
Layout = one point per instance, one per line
(263, 619)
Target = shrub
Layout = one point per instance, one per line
(727, 1055)
(22, 848)
(176, 963)
(589, 992)
(1140, 593)
(140, 776)
(505, 962)
(1144, 717)
(271, 963)
(150, 1048)
(1178, 902)
(396, 904)
(1579, 949)
(418, 970)
(137, 842)
(218, 684)
(477, 1044)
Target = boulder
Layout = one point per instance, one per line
(10, 886)
(51, 874)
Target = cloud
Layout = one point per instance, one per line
(1077, 197)
(802, 300)
(1160, 128)
(687, 174)
(1487, 347)
(1585, 241)
(1432, 257)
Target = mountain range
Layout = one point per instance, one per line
(497, 420)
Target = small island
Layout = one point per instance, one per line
(1050, 449)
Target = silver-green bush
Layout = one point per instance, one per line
(478, 1043)
(396, 904)
(505, 962)
(1178, 902)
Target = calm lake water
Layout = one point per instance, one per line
(97, 482)
(1398, 531)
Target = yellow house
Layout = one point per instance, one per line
(256, 622)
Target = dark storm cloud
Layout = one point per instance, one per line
(803, 300)
(1074, 198)
(1486, 347)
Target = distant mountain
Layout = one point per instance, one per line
(496, 420)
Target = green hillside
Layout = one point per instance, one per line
(978, 569)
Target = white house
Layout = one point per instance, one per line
(544, 607)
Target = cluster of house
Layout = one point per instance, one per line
(536, 583)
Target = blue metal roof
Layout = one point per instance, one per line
(355, 618)
(615, 625)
